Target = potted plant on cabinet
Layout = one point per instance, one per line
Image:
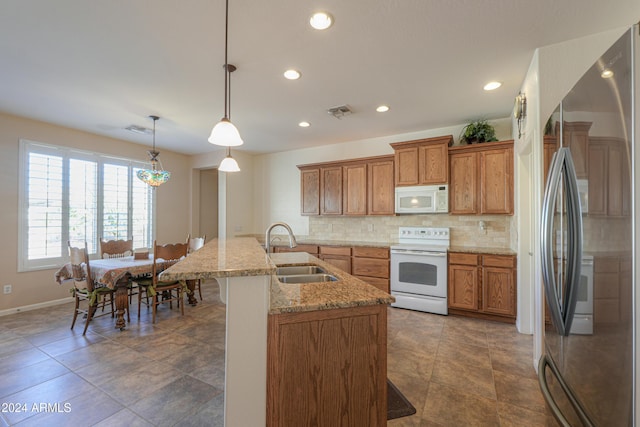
(477, 132)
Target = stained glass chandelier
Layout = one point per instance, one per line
(154, 176)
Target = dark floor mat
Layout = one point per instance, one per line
(397, 405)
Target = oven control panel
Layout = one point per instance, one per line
(424, 233)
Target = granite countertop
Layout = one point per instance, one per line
(305, 240)
(348, 291)
(482, 250)
(240, 256)
(243, 256)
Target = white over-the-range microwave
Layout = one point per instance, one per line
(422, 199)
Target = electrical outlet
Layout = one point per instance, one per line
(7, 289)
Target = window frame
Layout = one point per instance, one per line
(68, 153)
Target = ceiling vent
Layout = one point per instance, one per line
(139, 129)
(340, 111)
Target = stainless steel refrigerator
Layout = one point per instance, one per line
(587, 371)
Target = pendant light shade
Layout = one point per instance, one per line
(155, 176)
(229, 164)
(226, 134)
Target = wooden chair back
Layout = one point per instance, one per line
(80, 267)
(168, 254)
(196, 243)
(116, 248)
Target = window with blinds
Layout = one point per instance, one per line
(71, 195)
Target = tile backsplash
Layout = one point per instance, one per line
(498, 230)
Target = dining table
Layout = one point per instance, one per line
(115, 273)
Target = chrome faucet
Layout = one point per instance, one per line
(267, 237)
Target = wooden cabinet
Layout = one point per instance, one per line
(354, 189)
(482, 285)
(481, 179)
(609, 177)
(371, 265)
(350, 187)
(380, 188)
(422, 162)
(498, 285)
(328, 368)
(463, 281)
(550, 147)
(338, 256)
(576, 137)
(310, 191)
(331, 190)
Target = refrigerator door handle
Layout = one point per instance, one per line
(546, 242)
(548, 397)
(562, 301)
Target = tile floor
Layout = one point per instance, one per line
(455, 371)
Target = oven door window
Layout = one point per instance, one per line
(418, 273)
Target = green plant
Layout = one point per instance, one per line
(478, 131)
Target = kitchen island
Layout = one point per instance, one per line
(268, 323)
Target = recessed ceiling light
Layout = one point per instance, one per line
(292, 74)
(606, 73)
(321, 20)
(304, 124)
(492, 85)
(382, 109)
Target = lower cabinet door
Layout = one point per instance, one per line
(463, 287)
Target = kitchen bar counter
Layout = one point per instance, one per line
(243, 256)
(249, 287)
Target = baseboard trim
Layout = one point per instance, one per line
(35, 306)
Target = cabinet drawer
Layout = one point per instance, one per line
(369, 252)
(370, 267)
(505, 261)
(463, 259)
(335, 250)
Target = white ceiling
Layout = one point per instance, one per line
(100, 66)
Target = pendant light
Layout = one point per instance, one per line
(154, 176)
(229, 164)
(225, 133)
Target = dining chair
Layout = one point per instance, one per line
(161, 292)
(84, 288)
(196, 243)
(119, 249)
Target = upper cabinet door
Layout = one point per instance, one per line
(407, 166)
(310, 191)
(380, 188)
(331, 190)
(433, 164)
(463, 187)
(355, 189)
(422, 162)
(496, 181)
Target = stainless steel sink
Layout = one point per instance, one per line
(300, 269)
(307, 278)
